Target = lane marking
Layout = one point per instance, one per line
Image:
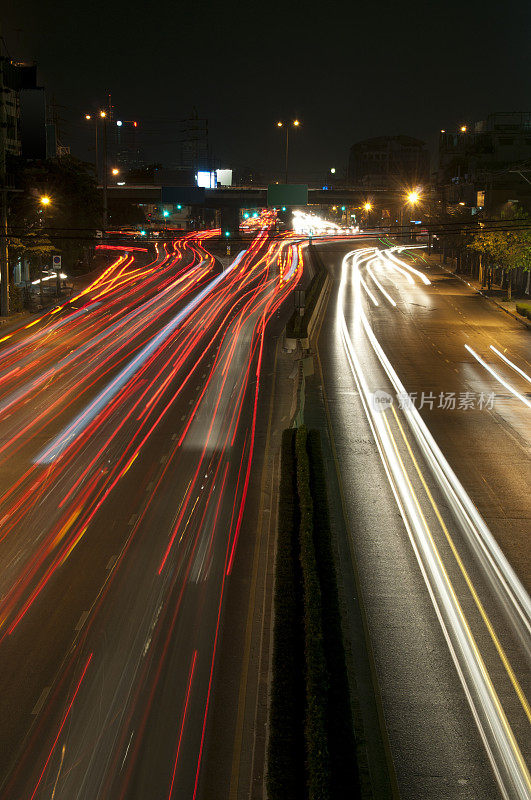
(82, 620)
(111, 562)
(505, 661)
(40, 702)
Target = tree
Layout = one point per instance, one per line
(507, 244)
(69, 222)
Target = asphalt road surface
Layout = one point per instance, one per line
(431, 428)
(129, 422)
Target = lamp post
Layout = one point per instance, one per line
(89, 118)
(45, 201)
(412, 198)
(286, 125)
(368, 208)
(103, 116)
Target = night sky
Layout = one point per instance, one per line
(346, 70)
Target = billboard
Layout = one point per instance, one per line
(206, 180)
(287, 194)
(224, 177)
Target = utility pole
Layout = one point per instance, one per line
(4, 254)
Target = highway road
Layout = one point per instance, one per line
(427, 391)
(129, 420)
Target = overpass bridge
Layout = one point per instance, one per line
(230, 200)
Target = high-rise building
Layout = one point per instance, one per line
(388, 162)
(194, 143)
(125, 146)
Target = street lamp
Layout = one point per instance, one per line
(280, 124)
(412, 198)
(44, 200)
(89, 118)
(367, 207)
(115, 171)
(103, 116)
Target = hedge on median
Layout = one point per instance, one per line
(312, 751)
(344, 774)
(286, 778)
(318, 764)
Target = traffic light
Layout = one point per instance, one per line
(246, 215)
(179, 207)
(342, 208)
(227, 233)
(165, 213)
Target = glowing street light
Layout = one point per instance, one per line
(333, 170)
(88, 116)
(103, 114)
(463, 129)
(115, 171)
(280, 124)
(367, 207)
(45, 200)
(413, 197)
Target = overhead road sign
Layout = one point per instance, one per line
(287, 194)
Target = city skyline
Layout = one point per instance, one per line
(359, 73)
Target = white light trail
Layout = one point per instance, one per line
(503, 751)
(67, 436)
(510, 363)
(373, 298)
(425, 280)
(501, 380)
(377, 282)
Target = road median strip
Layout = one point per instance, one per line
(312, 751)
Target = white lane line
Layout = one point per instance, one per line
(111, 562)
(41, 701)
(510, 363)
(82, 620)
(133, 519)
(503, 382)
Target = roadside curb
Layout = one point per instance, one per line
(515, 316)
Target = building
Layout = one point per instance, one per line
(125, 146)
(193, 133)
(388, 162)
(30, 133)
(487, 164)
